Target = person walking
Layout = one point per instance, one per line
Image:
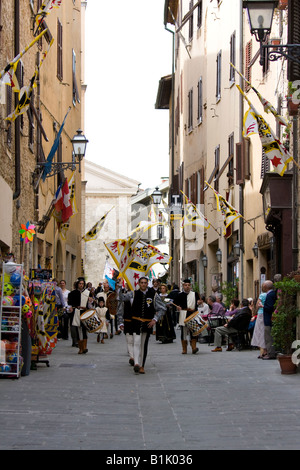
(64, 319)
(187, 303)
(78, 303)
(124, 319)
(147, 308)
(165, 331)
(101, 314)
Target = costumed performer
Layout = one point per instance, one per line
(78, 300)
(187, 303)
(147, 308)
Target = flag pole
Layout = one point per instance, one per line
(255, 111)
(271, 107)
(235, 209)
(187, 199)
(105, 215)
(18, 57)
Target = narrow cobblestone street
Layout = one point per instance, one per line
(208, 401)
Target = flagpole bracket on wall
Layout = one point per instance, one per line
(275, 52)
(56, 168)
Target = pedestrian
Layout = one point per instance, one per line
(268, 309)
(101, 314)
(147, 308)
(187, 303)
(124, 318)
(258, 338)
(165, 331)
(64, 320)
(173, 295)
(60, 305)
(106, 291)
(78, 303)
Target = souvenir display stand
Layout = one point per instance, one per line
(42, 293)
(11, 307)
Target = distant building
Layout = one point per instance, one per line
(105, 189)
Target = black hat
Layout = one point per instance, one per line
(101, 299)
(186, 281)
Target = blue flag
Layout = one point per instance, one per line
(47, 167)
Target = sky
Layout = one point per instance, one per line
(127, 52)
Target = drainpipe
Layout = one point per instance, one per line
(172, 125)
(17, 121)
(241, 187)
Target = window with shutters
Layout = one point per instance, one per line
(242, 161)
(217, 166)
(266, 64)
(190, 110)
(59, 50)
(191, 21)
(248, 57)
(199, 15)
(200, 102)
(21, 117)
(265, 164)
(230, 159)
(8, 111)
(293, 37)
(219, 75)
(232, 57)
(75, 86)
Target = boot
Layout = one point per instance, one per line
(80, 345)
(184, 346)
(193, 343)
(85, 350)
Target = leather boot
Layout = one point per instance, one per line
(80, 346)
(193, 344)
(184, 346)
(85, 350)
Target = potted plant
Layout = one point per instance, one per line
(293, 99)
(284, 322)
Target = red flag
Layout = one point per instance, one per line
(63, 203)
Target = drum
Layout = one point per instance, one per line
(91, 321)
(195, 323)
(112, 303)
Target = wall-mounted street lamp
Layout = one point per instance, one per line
(79, 143)
(219, 255)
(255, 250)
(204, 261)
(157, 196)
(237, 248)
(260, 15)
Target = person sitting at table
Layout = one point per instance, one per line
(234, 308)
(216, 308)
(240, 321)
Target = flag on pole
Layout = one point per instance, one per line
(7, 74)
(26, 92)
(47, 167)
(273, 148)
(229, 213)
(192, 216)
(46, 8)
(72, 193)
(93, 232)
(144, 257)
(131, 242)
(62, 202)
(110, 274)
(268, 107)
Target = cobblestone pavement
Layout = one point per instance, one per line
(208, 401)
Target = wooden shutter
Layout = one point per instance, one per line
(239, 163)
(293, 37)
(59, 50)
(248, 56)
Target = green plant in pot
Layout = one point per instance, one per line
(284, 321)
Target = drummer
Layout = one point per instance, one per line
(187, 303)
